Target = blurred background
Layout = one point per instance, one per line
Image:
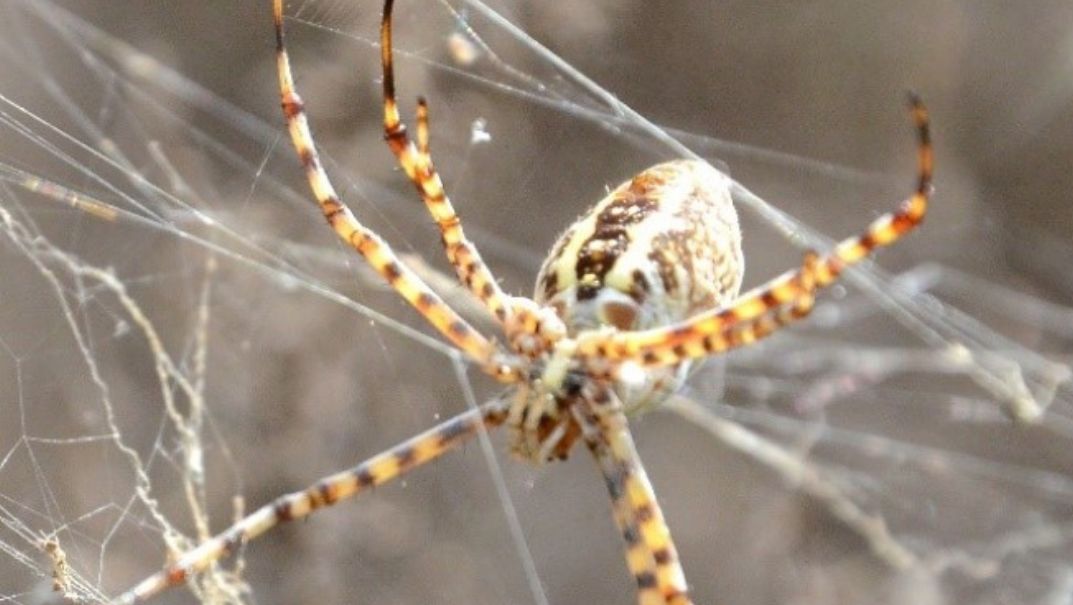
(157, 127)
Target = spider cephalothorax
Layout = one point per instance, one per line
(636, 289)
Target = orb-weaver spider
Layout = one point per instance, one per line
(645, 282)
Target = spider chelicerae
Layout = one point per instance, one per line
(640, 286)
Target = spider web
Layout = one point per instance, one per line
(181, 339)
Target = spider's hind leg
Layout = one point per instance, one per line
(651, 556)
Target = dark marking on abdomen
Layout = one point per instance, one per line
(610, 238)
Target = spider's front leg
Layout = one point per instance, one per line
(365, 241)
(416, 162)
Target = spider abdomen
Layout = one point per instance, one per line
(659, 248)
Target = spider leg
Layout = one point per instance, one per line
(744, 333)
(650, 553)
(375, 250)
(328, 491)
(706, 332)
(734, 334)
(416, 162)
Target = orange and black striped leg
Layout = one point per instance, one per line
(328, 491)
(650, 553)
(416, 162)
(734, 331)
(640, 562)
(745, 333)
(673, 344)
(375, 250)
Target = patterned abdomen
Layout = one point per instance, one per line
(658, 249)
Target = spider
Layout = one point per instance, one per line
(640, 286)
